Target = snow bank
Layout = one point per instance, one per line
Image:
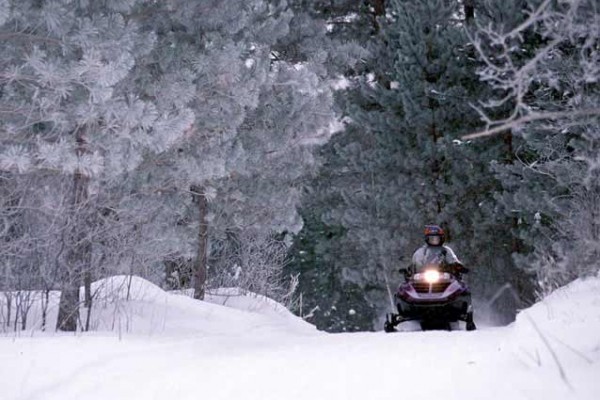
(561, 335)
(569, 317)
(130, 304)
(240, 346)
(247, 301)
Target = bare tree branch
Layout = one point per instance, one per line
(515, 123)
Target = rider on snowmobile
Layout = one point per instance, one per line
(433, 296)
(435, 252)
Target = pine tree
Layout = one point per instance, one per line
(336, 33)
(256, 118)
(400, 163)
(166, 124)
(67, 111)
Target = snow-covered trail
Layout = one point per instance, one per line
(245, 347)
(420, 365)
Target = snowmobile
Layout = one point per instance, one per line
(435, 297)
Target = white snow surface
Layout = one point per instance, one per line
(150, 344)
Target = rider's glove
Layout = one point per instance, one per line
(459, 268)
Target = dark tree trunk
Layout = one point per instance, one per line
(509, 158)
(68, 308)
(378, 11)
(79, 252)
(507, 137)
(201, 259)
(87, 285)
(378, 6)
(8, 307)
(87, 293)
(45, 300)
(469, 8)
(25, 308)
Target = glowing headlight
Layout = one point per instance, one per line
(431, 276)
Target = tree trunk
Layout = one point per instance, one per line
(87, 295)
(469, 8)
(79, 250)
(45, 300)
(378, 7)
(87, 285)
(68, 307)
(509, 158)
(201, 259)
(507, 138)
(378, 11)
(8, 307)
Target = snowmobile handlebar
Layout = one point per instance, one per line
(455, 269)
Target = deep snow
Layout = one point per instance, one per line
(158, 345)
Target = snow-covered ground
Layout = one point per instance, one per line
(163, 346)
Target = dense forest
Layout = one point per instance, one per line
(296, 148)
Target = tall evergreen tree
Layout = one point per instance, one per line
(335, 32)
(174, 121)
(257, 117)
(66, 111)
(400, 163)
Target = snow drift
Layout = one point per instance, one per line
(151, 344)
(561, 332)
(130, 304)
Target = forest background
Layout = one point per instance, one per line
(296, 148)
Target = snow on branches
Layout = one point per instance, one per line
(541, 67)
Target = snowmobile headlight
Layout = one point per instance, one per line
(431, 276)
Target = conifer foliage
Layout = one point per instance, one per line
(397, 151)
(66, 112)
(201, 143)
(149, 129)
(400, 163)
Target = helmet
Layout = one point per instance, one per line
(434, 235)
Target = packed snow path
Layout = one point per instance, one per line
(278, 360)
(412, 365)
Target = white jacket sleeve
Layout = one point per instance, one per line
(451, 258)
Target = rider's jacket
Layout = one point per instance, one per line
(427, 255)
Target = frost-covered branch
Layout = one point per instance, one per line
(540, 69)
(532, 117)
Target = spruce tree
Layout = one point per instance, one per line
(400, 163)
(334, 32)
